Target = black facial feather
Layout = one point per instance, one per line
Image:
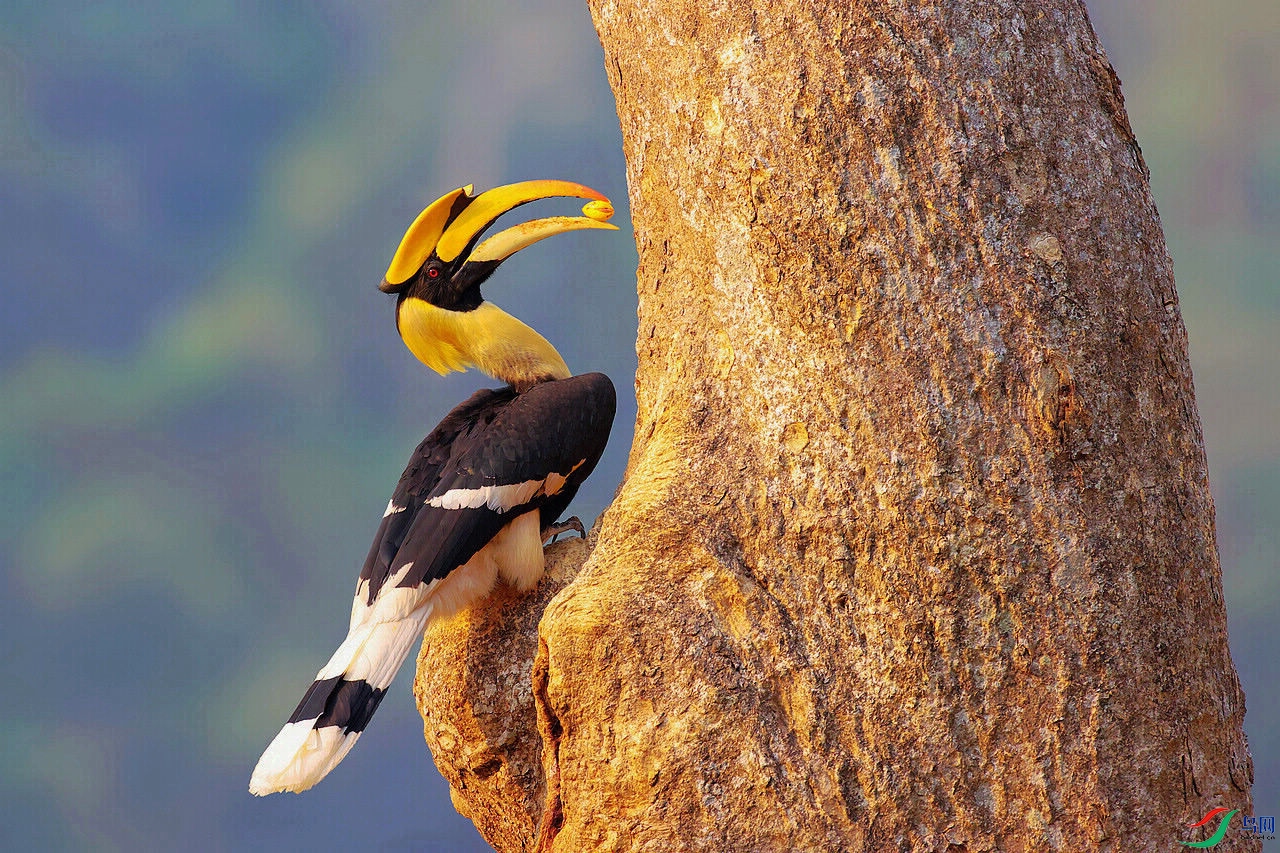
(444, 290)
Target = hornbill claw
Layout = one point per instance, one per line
(554, 530)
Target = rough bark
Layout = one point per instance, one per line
(476, 699)
(915, 550)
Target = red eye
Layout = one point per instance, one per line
(432, 272)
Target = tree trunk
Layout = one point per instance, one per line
(915, 549)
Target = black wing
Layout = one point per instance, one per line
(489, 462)
(493, 458)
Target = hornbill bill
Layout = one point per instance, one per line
(482, 492)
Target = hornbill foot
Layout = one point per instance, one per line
(554, 530)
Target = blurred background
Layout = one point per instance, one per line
(203, 406)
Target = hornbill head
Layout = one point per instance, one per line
(438, 269)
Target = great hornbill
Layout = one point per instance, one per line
(482, 492)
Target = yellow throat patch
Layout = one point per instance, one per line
(487, 338)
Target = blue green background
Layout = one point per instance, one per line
(203, 405)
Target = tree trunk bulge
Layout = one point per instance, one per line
(915, 549)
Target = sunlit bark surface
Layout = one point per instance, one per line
(916, 548)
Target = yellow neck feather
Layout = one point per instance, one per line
(487, 338)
